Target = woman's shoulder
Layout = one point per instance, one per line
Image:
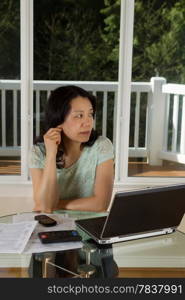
(38, 148)
(103, 143)
(104, 149)
(37, 156)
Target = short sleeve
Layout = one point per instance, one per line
(105, 150)
(36, 157)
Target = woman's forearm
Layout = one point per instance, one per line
(84, 204)
(48, 193)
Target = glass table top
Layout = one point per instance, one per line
(93, 260)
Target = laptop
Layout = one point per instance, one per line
(138, 214)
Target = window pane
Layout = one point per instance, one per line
(77, 41)
(157, 115)
(10, 87)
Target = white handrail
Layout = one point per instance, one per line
(43, 88)
(172, 88)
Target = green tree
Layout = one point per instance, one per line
(9, 39)
(169, 52)
(159, 40)
(68, 41)
(110, 35)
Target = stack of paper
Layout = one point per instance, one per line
(22, 235)
(14, 237)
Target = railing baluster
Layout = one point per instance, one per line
(104, 117)
(175, 122)
(37, 112)
(15, 118)
(166, 122)
(137, 117)
(48, 93)
(147, 121)
(114, 117)
(95, 94)
(182, 141)
(3, 115)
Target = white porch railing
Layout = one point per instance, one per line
(174, 130)
(155, 106)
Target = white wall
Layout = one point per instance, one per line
(12, 205)
(13, 199)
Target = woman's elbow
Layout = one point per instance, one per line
(102, 206)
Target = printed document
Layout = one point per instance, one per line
(34, 244)
(15, 236)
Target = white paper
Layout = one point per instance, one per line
(34, 245)
(63, 221)
(60, 218)
(15, 236)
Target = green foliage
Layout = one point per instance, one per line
(110, 34)
(159, 40)
(79, 40)
(68, 42)
(9, 39)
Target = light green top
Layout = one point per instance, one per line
(77, 181)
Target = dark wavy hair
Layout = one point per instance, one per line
(59, 105)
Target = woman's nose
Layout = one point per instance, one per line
(88, 121)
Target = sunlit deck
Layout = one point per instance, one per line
(169, 169)
(12, 166)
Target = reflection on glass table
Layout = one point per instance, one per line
(89, 261)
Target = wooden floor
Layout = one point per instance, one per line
(168, 169)
(14, 273)
(123, 273)
(12, 166)
(151, 273)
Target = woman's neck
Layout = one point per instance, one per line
(71, 148)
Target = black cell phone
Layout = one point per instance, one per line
(60, 236)
(45, 220)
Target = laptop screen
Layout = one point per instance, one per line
(145, 210)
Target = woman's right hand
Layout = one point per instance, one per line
(52, 138)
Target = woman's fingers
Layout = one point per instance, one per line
(54, 135)
(51, 130)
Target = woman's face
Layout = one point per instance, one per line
(79, 122)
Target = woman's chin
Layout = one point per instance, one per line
(84, 138)
(80, 138)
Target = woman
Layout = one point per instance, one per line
(71, 167)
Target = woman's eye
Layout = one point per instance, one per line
(79, 116)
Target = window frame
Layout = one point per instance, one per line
(26, 89)
(123, 107)
(122, 179)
